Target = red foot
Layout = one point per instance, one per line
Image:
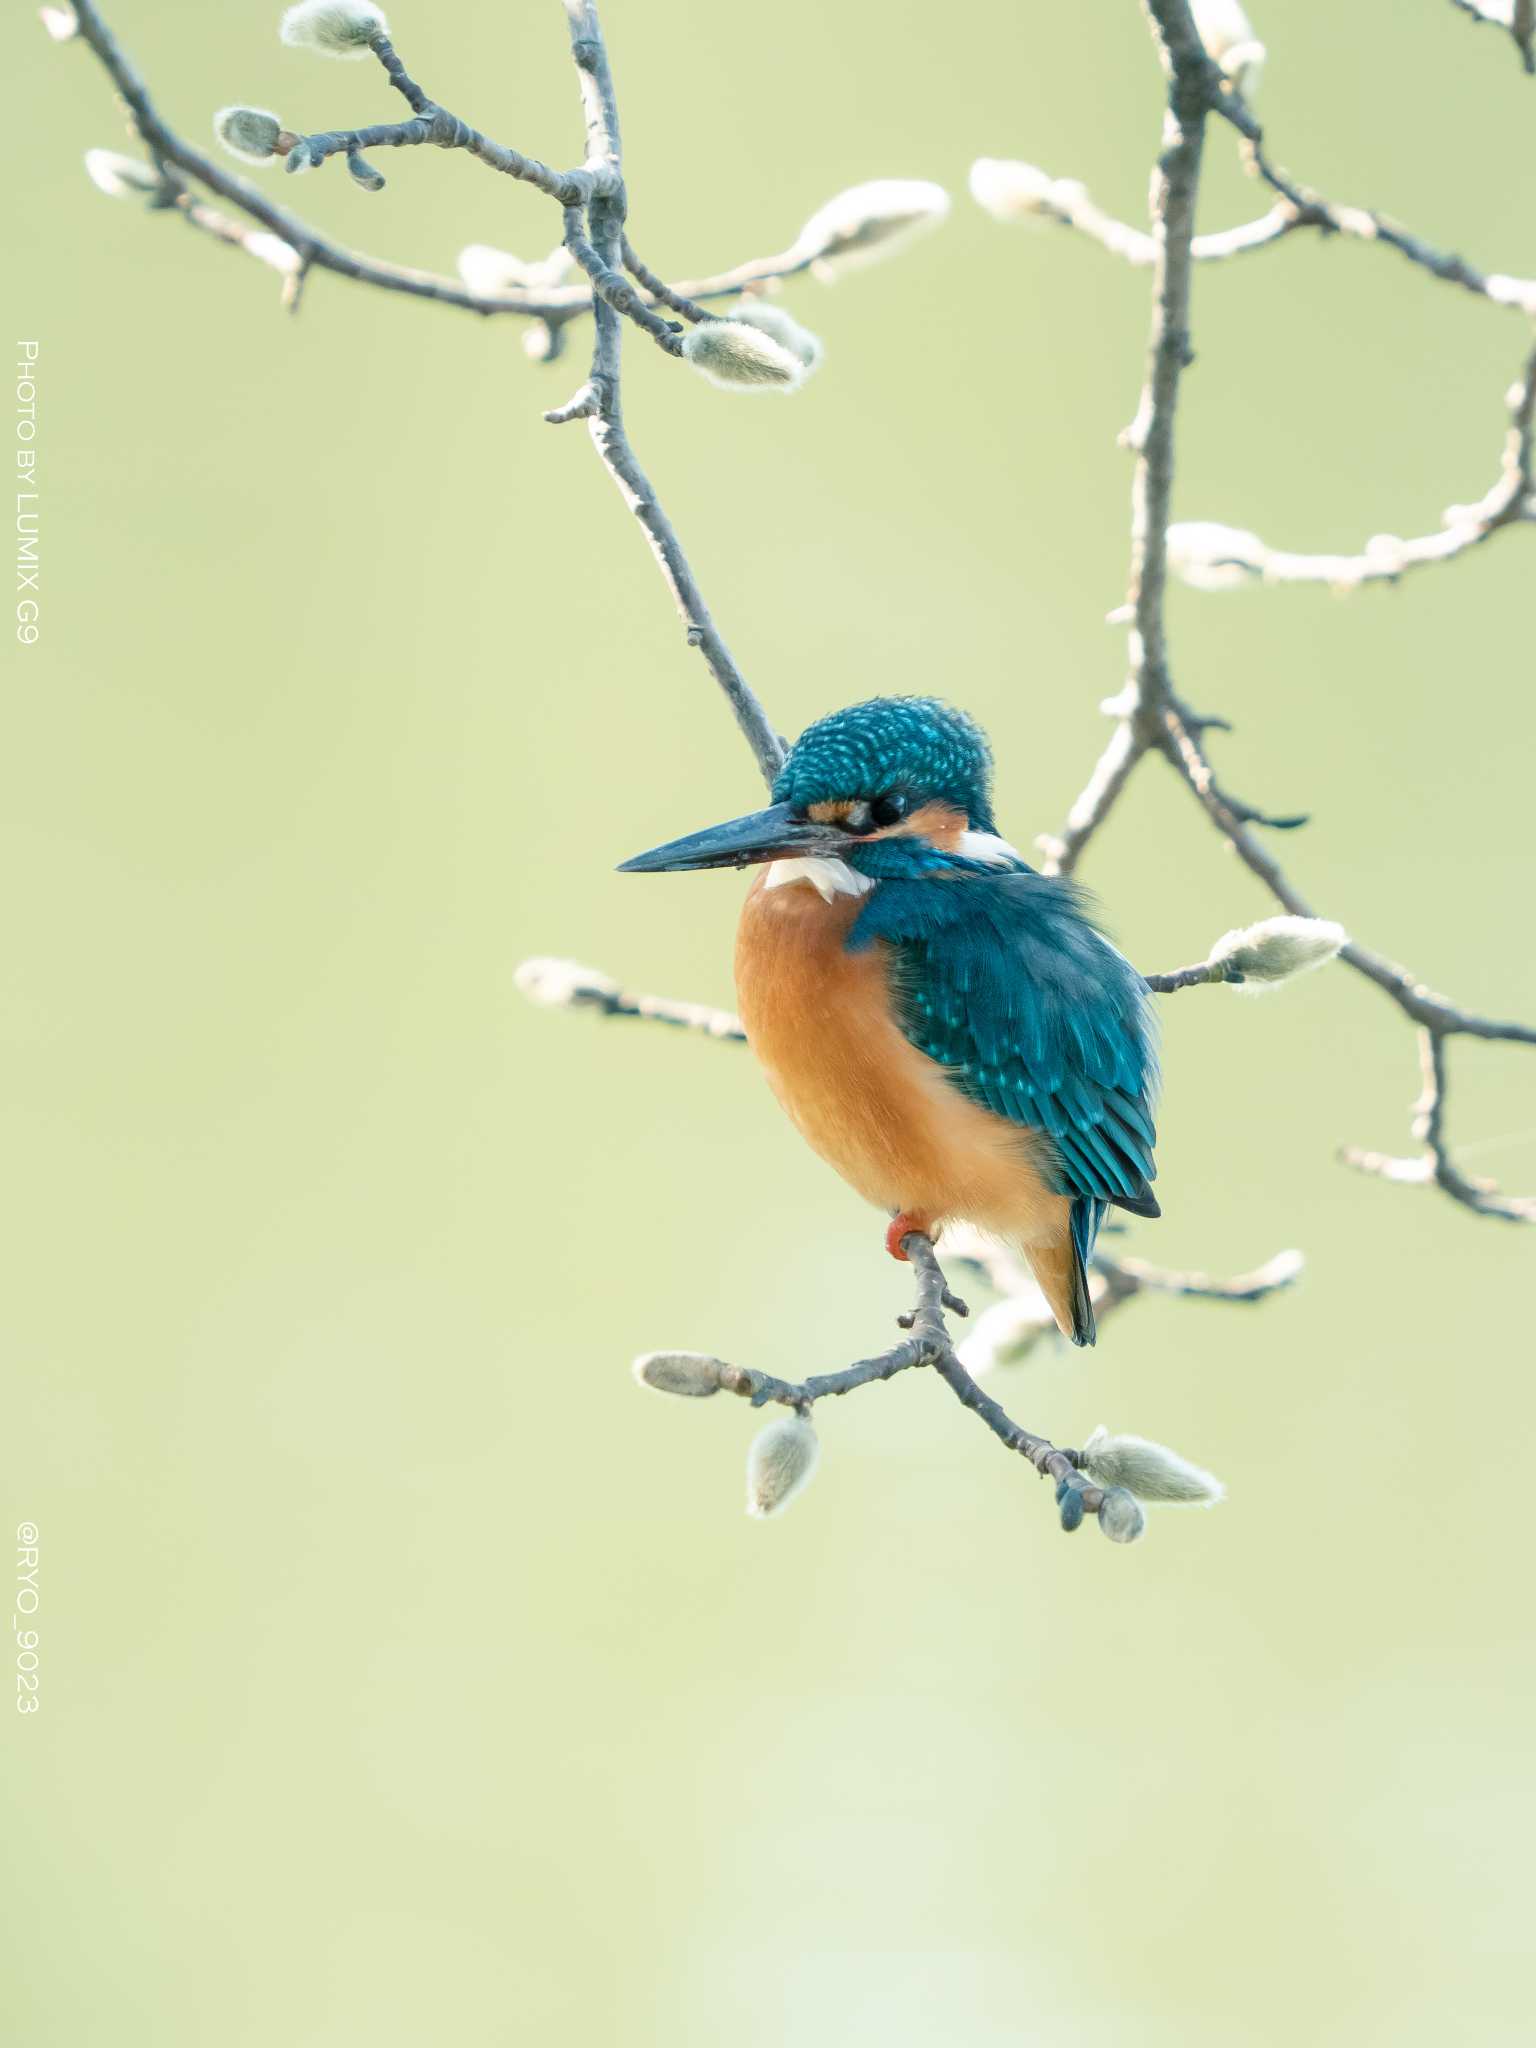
(902, 1226)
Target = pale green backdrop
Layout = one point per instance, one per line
(407, 1674)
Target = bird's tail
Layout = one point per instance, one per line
(1061, 1267)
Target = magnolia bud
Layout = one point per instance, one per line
(1277, 948)
(60, 22)
(1010, 190)
(1211, 557)
(868, 222)
(1228, 36)
(121, 177)
(741, 358)
(336, 28)
(274, 250)
(691, 1373)
(781, 326)
(559, 984)
(543, 343)
(1150, 1470)
(1007, 1332)
(250, 133)
(489, 271)
(780, 1464)
(1069, 1503)
(1122, 1516)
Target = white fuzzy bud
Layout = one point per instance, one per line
(1009, 190)
(1207, 556)
(1244, 65)
(558, 984)
(541, 342)
(780, 1464)
(60, 22)
(250, 133)
(1007, 1332)
(781, 326)
(693, 1374)
(489, 272)
(1149, 1470)
(1122, 1517)
(336, 28)
(121, 177)
(1277, 948)
(1228, 36)
(868, 222)
(741, 358)
(272, 249)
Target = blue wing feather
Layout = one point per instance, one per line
(1005, 981)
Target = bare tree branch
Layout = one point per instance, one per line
(1067, 201)
(1435, 1166)
(928, 1345)
(565, 985)
(1212, 550)
(176, 157)
(1150, 716)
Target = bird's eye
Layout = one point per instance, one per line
(889, 809)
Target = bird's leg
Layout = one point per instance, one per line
(902, 1225)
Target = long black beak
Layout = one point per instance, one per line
(764, 835)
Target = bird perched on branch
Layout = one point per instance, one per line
(948, 1028)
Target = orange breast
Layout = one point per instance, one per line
(883, 1114)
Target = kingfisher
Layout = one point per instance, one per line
(946, 1026)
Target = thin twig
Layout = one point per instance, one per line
(318, 251)
(1299, 208)
(606, 421)
(1435, 1166)
(565, 985)
(928, 1345)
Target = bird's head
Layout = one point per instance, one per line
(893, 787)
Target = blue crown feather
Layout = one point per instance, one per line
(915, 743)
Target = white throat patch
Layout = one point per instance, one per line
(827, 877)
(986, 846)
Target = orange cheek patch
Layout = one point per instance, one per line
(830, 814)
(936, 823)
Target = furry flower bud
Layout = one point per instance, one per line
(1121, 1516)
(1148, 1469)
(1207, 556)
(336, 28)
(868, 222)
(781, 326)
(487, 271)
(1007, 1332)
(693, 1374)
(273, 250)
(1277, 948)
(1228, 36)
(561, 984)
(779, 1465)
(120, 177)
(1009, 190)
(61, 22)
(739, 357)
(250, 133)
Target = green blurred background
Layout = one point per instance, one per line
(409, 1675)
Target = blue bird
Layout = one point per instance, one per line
(948, 1028)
